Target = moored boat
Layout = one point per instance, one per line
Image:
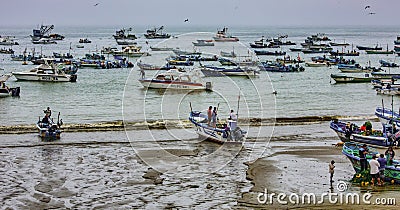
(6, 91)
(223, 36)
(130, 51)
(175, 79)
(387, 116)
(341, 78)
(202, 43)
(156, 33)
(47, 72)
(7, 40)
(368, 48)
(316, 64)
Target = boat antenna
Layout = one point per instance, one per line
(190, 105)
(58, 120)
(383, 108)
(237, 111)
(392, 115)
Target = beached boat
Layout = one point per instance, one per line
(341, 78)
(223, 36)
(203, 43)
(351, 132)
(352, 152)
(130, 51)
(231, 134)
(47, 72)
(48, 130)
(175, 79)
(7, 40)
(156, 33)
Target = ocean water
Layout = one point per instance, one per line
(108, 95)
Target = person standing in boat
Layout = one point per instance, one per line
(389, 155)
(47, 112)
(232, 120)
(374, 170)
(209, 115)
(363, 161)
(142, 73)
(214, 117)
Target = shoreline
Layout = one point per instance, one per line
(120, 125)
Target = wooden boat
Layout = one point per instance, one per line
(156, 33)
(222, 36)
(175, 79)
(264, 52)
(47, 72)
(368, 48)
(341, 78)
(48, 130)
(130, 51)
(220, 135)
(348, 53)
(387, 116)
(316, 64)
(279, 67)
(124, 34)
(351, 151)
(388, 64)
(351, 132)
(161, 48)
(202, 43)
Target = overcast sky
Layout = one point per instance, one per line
(199, 12)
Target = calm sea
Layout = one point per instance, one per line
(108, 95)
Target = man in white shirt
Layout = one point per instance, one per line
(232, 120)
(374, 170)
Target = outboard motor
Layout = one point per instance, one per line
(15, 91)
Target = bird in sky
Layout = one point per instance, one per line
(96, 4)
(366, 7)
(186, 20)
(372, 13)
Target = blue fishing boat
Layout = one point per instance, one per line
(279, 67)
(49, 130)
(387, 116)
(351, 132)
(213, 71)
(221, 134)
(351, 151)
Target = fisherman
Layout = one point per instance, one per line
(142, 73)
(47, 112)
(382, 166)
(209, 115)
(362, 152)
(374, 170)
(389, 155)
(214, 117)
(232, 120)
(332, 170)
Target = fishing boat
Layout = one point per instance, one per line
(351, 132)
(368, 48)
(146, 66)
(85, 40)
(177, 80)
(44, 32)
(180, 61)
(126, 42)
(179, 52)
(6, 91)
(156, 33)
(384, 75)
(279, 67)
(47, 72)
(234, 71)
(356, 68)
(387, 116)
(202, 43)
(336, 44)
(44, 41)
(7, 40)
(262, 43)
(318, 37)
(161, 48)
(316, 64)
(312, 51)
(223, 36)
(221, 134)
(387, 64)
(231, 54)
(342, 78)
(397, 41)
(264, 52)
(384, 52)
(348, 53)
(388, 90)
(48, 130)
(130, 51)
(352, 152)
(6, 51)
(124, 34)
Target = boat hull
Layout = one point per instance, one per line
(44, 77)
(158, 84)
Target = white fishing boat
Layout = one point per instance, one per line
(7, 40)
(202, 43)
(130, 51)
(222, 133)
(47, 72)
(44, 41)
(175, 79)
(315, 64)
(231, 54)
(223, 36)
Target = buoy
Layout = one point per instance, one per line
(275, 92)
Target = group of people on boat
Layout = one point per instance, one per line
(377, 165)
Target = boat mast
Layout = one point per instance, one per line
(237, 111)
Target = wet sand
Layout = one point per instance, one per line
(106, 170)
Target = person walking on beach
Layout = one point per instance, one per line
(209, 115)
(382, 166)
(374, 170)
(142, 73)
(362, 152)
(389, 155)
(332, 169)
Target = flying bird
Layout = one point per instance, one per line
(96, 4)
(372, 13)
(366, 7)
(187, 20)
